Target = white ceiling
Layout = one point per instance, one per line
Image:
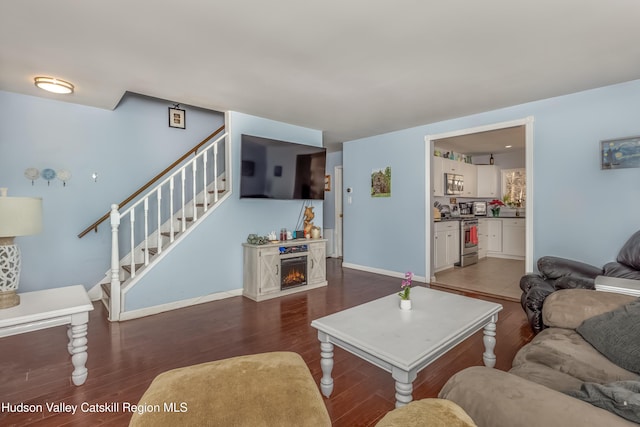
(350, 68)
(494, 141)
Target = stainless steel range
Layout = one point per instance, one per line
(468, 242)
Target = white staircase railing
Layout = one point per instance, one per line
(162, 212)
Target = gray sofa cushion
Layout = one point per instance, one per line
(561, 359)
(621, 398)
(616, 334)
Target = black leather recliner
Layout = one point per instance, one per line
(560, 273)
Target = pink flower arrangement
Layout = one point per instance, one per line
(406, 286)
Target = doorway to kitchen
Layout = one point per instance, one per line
(497, 272)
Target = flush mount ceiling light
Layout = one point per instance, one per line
(54, 85)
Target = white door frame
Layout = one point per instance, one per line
(527, 122)
(338, 209)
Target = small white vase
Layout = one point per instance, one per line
(405, 304)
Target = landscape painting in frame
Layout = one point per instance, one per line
(381, 182)
(620, 153)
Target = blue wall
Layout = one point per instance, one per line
(209, 260)
(580, 211)
(126, 147)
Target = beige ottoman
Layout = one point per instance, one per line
(427, 412)
(270, 389)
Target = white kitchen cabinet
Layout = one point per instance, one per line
(488, 181)
(453, 245)
(451, 166)
(437, 177)
(470, 180)
(483, 237)
(494, 236)
(513, 237)
(446, 244)
(505, 238)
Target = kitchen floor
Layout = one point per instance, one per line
(490, 276)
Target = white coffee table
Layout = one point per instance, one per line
(54, 307)
(405, 342)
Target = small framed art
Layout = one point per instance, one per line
(327, 183)
(177, 118)
(620, 153)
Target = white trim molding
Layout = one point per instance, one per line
(527, 122)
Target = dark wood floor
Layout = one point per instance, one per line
(125, 357)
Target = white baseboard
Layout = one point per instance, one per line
(390, 273)
(148, 311)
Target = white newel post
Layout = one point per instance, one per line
(114, 300)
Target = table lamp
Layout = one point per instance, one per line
(19, 216)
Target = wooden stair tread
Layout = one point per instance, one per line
(127, 267)
(187, 218)
(168, 233)
(152, 251)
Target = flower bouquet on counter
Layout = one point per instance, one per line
(495, 206)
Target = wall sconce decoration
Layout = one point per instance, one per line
(32, 174)
(64, 176)
(94, 176)
(19, 216)
(48, 174)
(177, 117)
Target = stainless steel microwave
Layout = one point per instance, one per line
(454, 184)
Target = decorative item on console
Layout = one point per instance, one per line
(254, 239)
(308, 216)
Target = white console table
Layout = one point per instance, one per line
(54, 307)
(262, 268)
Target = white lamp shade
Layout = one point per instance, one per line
(20, 216)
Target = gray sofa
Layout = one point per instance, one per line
(555, 366)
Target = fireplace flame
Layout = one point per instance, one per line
(293, 277)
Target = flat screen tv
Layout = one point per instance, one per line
(273, 169)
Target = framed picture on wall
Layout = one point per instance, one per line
(327, 183)
(177, 118)
(620, 153)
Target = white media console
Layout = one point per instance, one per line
(283, 268)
